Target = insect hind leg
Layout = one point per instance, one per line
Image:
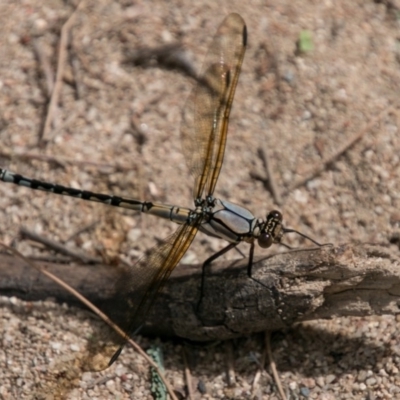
(206, 265)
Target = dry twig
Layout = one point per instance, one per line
(63, 160)
(261, 369)
(46, 68)
(230, 373)
(58, 247)
(62, 56)
(287, 288)
(346, 146)
(188, 375)
(270, 176)
(273, 365)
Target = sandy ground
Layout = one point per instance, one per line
(300, 107)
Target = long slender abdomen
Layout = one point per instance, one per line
(180, 215)
(176, 214)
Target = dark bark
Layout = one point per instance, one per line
(301, 285)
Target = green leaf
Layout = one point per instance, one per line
(158, 389)
(305, 42)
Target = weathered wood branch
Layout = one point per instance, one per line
(287, 288)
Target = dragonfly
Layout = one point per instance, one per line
(204, 130)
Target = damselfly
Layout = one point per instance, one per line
(203, 133)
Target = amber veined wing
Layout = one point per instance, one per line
(205, 117)
(203, 134)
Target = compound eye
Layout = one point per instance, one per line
(265, 240)
(275, 214)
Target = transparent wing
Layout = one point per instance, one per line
(134, 294)
(205, 117)
(139, 285)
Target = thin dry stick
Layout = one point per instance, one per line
(188, 375)
(62, 56)
(91, 306)
(58, 246)
(270, 176)
(63, 160)
(82, 230)
(325, 163)
(257, 376)
(56, 259)
(273, 365)
(63, 125)
(231, 378)
(45, 64)
(75, 63)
